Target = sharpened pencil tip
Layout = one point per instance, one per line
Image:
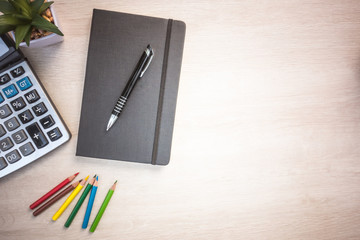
(76, 174)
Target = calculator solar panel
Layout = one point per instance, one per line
(30, 126)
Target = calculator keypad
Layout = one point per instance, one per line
(4, 78)
(47, 121)
(5, 111)
(54, 134)
(3, 163)
(18, 104)
(27, 149)
(18, 71)
(12, 124)
(39, 109)
(13, 156)
(30, 127)
(26, 116)
(32, 96)
(6, 144)
(10, 91)
(2, 131)
(37, 135)
(19, 136)
(24, 83)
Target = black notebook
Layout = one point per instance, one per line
(143, 131)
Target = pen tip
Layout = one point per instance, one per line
(76, 174)
(87, 178)
(111, 122)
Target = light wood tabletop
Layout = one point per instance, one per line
(266, 136)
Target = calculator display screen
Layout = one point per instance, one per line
(3, 47)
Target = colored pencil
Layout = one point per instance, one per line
(79, 203)
(56, 198)
(53, 191)
(69, 199)
(90, 204)
(103, 207)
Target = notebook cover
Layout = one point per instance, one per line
(143, 131)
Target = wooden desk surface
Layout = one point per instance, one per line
(266, 140)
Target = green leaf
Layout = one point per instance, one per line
(6, 28)
(41, 23)
(27, 37)
(22, 6)
(10, 20)
(6, 7)
(45, 6)
(36, 5)
(22, 17)
(20, 32)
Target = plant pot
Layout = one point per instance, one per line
(46, 40)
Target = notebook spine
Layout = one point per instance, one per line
(161, 94)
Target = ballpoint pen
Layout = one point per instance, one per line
(139, 71)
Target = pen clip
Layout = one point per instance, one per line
(147, 63)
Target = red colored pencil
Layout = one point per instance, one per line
(56, 198)
(53, 191)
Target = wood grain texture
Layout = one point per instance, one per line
(266, 140)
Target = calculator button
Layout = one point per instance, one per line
(10, 91)
(54, 134)
(32, 96)
(3, 163)
(37, 135)
(1, 98)
(12, 124)
(26, 116)
(27, 149)
(18, 104)
(24, 83)
(39, 109)
(19, 136)
(6, 144)
(17, 71)
(13, 156)
(2, 131)
(47, 121)
(4, 78)
(5, 111)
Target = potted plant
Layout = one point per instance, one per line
(32, 22)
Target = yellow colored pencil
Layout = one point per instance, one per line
(69, 199)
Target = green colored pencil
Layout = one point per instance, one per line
(103, 207)
(79, 203)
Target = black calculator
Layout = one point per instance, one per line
(30, 125)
